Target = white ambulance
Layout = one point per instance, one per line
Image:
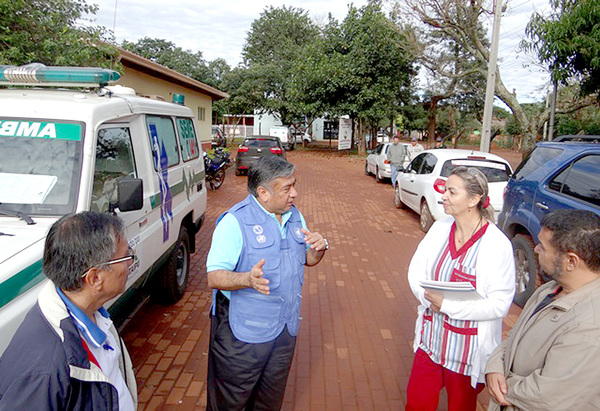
(66, 150)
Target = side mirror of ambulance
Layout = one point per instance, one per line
(130, 192)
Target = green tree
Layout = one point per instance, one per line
(48, 32)
(583, 121)
(380, 67)
(360, 68)
(245, 88)
(217, 70)
(415, 117)
(167, 54)
(568, 41)
(273, 46)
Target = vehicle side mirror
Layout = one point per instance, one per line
(130, 192)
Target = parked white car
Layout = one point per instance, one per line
(378, 164)
(421, 185)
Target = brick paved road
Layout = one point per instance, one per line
(354, 346)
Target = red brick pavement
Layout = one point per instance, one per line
(354, 346)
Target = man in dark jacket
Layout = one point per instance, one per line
(67, 355)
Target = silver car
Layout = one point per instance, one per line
(378, 164)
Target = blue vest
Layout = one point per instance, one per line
(255, 317)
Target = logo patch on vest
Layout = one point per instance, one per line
(299, 233)
(261, 238)
(257, 229)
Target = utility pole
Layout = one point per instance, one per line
(552, 110)
(491, 81)
(115, 19)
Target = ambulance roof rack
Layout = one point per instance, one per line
(37, 74)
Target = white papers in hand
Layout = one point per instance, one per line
(456, 291)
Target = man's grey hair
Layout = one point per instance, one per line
(76, 243)
(265, 171)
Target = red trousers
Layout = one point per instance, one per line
(427, 380)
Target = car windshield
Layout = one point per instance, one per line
(537, 158)
(260, 143)
(495, 171)
(40, 166)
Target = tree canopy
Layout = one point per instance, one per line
(360, 67)
(568, 41)
(273, 46)
(167, 54)
(48, 32)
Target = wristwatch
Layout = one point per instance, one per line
(326, 244)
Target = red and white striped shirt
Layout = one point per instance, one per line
(450, 342)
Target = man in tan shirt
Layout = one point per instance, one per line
(551, 358)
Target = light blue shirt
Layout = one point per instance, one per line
(92, 333)
(227, 241)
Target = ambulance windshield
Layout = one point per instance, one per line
(40, 166)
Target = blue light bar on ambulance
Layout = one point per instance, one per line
(41, 75)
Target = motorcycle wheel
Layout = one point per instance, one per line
(218, 179)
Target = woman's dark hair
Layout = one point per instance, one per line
(77, 242)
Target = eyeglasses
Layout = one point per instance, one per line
(130, 256)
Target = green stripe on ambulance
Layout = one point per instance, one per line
(40, 129)
(21, 282)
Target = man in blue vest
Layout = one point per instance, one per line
(256, 269)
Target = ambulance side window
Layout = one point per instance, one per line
(187, 139)
(163, 141)
(114, 160)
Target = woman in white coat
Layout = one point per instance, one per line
(454, 338)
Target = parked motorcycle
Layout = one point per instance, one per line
(215, 167)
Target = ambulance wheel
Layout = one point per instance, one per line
(172, 282)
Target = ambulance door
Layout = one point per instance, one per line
(115, 160)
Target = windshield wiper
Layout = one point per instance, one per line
(18, 214)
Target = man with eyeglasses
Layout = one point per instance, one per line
(67, 354)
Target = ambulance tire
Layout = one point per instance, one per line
(172, 282)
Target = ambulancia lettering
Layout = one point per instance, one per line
(27, 129)
(40, 129)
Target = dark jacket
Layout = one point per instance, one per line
(46, 366)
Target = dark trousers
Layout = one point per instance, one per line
(244, 376)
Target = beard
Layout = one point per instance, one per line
(556, 271)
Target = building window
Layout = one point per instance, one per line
(201, 114)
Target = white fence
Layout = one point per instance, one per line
(239, 131)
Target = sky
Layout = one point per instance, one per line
(218, 29)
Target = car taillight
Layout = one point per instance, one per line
(276, 150)
(505, 191)
(243, 149)
(476, 158)
(439, 185)
(386, 161)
